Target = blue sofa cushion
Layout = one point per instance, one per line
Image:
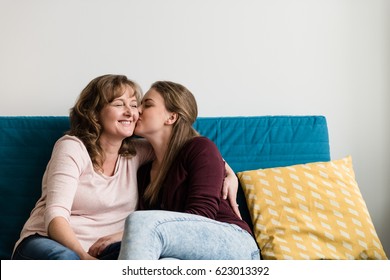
(245, 143)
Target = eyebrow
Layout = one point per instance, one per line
(120, 98)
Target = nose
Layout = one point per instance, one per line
(131, 111)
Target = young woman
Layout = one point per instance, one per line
(90, 185)
(181, 188)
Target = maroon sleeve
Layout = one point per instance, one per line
(206, 172)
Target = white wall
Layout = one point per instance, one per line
(248, 57)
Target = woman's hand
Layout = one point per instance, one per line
(87, 256)
(230, 188)
(98, 247)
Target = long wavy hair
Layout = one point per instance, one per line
(84, 115)
(178, 99)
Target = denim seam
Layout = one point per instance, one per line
(234, 226)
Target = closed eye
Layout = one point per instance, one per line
(117, 103)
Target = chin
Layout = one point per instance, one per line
(136, 131)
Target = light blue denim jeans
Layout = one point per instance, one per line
(37, 247)
(155, 234)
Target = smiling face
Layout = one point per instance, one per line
(118, 118)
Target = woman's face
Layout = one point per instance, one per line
(119, 117)
(153, 115)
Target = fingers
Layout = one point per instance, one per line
(236, 210)
(225, 190)
(93, 252)
(96, 249)
(235, 206)
(232, 198)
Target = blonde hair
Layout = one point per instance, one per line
(178, 99)
(84, 115)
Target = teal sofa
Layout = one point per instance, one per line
(246, 143)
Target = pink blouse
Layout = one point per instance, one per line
(95, 205)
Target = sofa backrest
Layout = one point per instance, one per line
(25, 149)
(246, 143)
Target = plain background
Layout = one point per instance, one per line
(239, 58)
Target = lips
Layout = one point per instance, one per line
(125, 122)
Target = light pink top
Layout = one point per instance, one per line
(94, 204)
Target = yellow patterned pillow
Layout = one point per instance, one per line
(310, 211)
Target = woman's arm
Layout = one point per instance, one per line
(205, 174)
(61, 181)
(60, 231)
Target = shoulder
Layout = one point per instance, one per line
(200, 141)
(68, 152)
(200, 145)
(199, 153)
(69, 144)
(69, 140)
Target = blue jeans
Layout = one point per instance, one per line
(154, 234)
(37, 247)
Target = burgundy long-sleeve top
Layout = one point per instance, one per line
(194, 184)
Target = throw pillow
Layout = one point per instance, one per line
(310, 211)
